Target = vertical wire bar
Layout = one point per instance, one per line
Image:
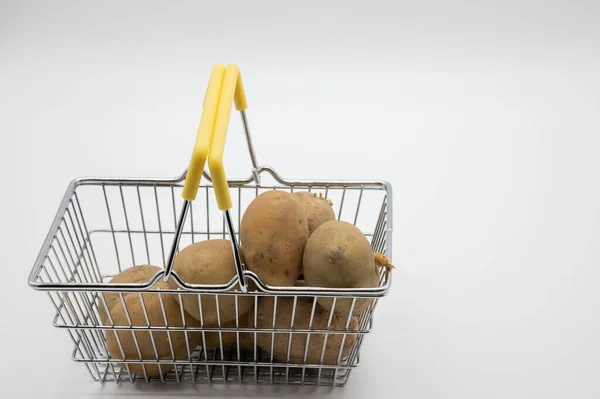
(79, 307)
(80, 259)
(237, 337)
(89, 239)
(229, 356)
(112, 229)
(162, 244)
(325, 339)
(84, 295)
(289, 348)
(377, 243)
(342, 203)
(82, 334)
(112, 325)
(143, 223)
(378, 229)
(59, 263)
(62, 269)
(213, 367)
(87, 296)
(273, 335)
(103, 378)
(73, 268)
(59, 313)
(135, 339)
(326, 191)
(204, 349)
(117, 335)
(255, 337)
(187, 340)
(207, 215)
(220, 335)
(362, 188)
(152, 340)
(192, 221)
(341, 350)
(143, 303)
(127, 223)
(164, 313)
(95, 322)
(71, 333)
(310, 323)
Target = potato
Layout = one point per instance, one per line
(318, 209)
(274, 231)
(156, 318)
(230, 339)
(301, 321)
(209, 262)
(135, 274)
(338, 255)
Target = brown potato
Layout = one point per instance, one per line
(230, 339)
(318, 209)
(338, 255)
(135, 274)
(301, 321)
(145, 339)
(274, 231)
(209, 262)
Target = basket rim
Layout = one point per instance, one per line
(222, 288)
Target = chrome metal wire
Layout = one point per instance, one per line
(104, 226)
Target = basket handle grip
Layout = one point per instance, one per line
(231, 91)
(205, 133)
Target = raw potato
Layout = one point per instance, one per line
(338, 255)
(318, 209)
(230, 339)
(301, 321)
(209, 262)
(135, 274)
(161, 339)
(274, 232)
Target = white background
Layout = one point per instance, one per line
(485, 117)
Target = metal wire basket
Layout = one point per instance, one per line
(105, 225)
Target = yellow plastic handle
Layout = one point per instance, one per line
(231, 91)
(205, 133)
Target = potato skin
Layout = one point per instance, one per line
(230, 339)
(318, 210)
(209, 262)
(338, 255)
(135, 274)
(274, 231)
(156, 318)
(301, 321)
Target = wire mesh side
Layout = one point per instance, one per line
(226, 352)
(106, 228)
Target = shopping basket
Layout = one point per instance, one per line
(105, 225)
